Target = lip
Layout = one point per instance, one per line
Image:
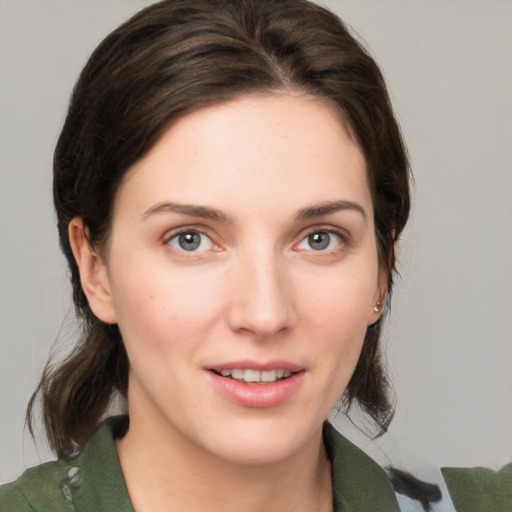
(254, 365)
(252, 395)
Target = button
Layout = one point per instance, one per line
(67, 484)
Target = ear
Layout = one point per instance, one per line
(380, 297)
(383, 280)
(93, 273)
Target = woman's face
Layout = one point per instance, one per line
(242, 271)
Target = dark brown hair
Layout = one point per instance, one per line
(170, 59)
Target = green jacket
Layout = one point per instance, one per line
(93, 482)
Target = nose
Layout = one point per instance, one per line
(262, 297)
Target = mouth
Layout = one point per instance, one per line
(256, 385)
(251, 376)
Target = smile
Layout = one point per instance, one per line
(255, 376)
(256, 388)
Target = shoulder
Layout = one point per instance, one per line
(91, 481)
(40, 488)
(359, 483)
(480, 489)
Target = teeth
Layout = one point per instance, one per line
(268, 376)
(256, 375)
(237, 374)
(252, 376)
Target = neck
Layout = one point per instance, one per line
(160, 468)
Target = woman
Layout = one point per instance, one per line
(229, 183)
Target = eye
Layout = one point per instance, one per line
(321, 241)
(190, 241)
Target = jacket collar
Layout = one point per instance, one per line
(94, 481)
(359, 483)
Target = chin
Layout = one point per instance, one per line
(260, 442)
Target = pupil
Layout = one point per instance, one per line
(189, 241)
(319, 241)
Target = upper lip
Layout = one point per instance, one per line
(256, 365)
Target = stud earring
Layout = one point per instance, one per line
(376, 308)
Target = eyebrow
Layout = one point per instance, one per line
(204, 212)
(329, 207)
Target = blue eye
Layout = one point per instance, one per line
(190, 241)
(321, 241)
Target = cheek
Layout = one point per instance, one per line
(340, 301)
(156, 304)
(337, 315)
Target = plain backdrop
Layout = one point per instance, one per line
(448, 64)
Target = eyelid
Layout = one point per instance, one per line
(171, 233)
(327, 228)
(331, 230)
(176, 232)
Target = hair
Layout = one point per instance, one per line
(170, 59)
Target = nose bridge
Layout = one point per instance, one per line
(262, 301)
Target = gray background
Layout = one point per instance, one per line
(449, 69)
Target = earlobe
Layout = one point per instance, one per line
(380, 298)
(376, 312)
(93, 273)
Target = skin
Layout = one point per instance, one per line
(258, 287)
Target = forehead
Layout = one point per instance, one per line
(259, 149)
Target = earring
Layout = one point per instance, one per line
(376, 308)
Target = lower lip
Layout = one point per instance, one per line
(256, 395)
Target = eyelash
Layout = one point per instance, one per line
(343, 239)
(175, 236)
(188, 231)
